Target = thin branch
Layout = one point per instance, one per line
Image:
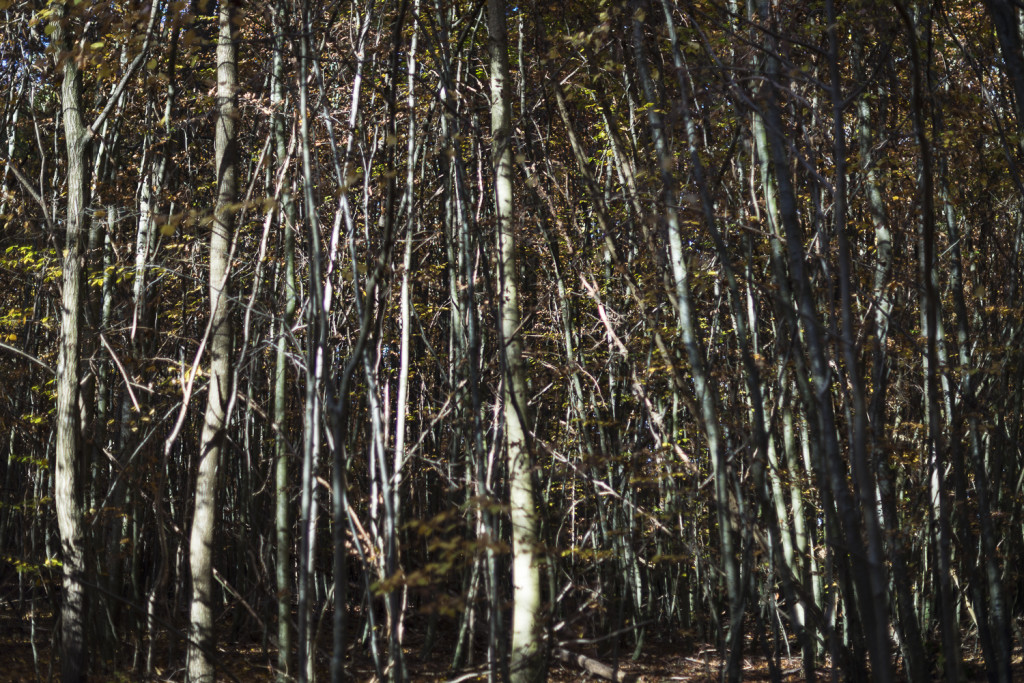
(31, 190)
(30, 357)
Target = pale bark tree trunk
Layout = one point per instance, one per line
(282, 509)
(706, 398)
(153, 174)
(388, 476)
(11, 125)
(909, 629)
(68, 465)
(67, 478)
(312, 409)
(939, 509)
(875, 617)
(405, 350)
(528, 662)
(201, 637)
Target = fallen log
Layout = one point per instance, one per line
(593, 666)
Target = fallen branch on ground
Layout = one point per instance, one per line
(593, 666)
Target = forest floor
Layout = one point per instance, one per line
(27, 656)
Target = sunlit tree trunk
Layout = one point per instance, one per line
(201, 636)
(312, 408)
(527, 656)
(405, 347)
(282, 486)
(67, 478)
(69, 468)
(706, 398)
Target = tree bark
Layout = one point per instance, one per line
(282, 508)
(528, 662)
(704, 390)
(67, 478)
(939, 509)
(201, 637)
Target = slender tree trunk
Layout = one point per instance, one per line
(938, 508)
(282, 487)
(201, 636)
(707, 399)
(876, 615)
(906, 622)
(389, 472)
(405, 348)
(312, 410)
(528, 661)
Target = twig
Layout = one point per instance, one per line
(127, 380)
(31, 190)
(467, 677)
(220, 579)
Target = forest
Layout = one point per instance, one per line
(407, 340)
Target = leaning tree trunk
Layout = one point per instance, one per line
(200, 665)
(527, 660)
(1005, 19)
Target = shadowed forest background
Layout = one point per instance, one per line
(410, 339)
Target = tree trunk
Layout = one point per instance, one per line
(201, 638)
(707, 400)
(939, 509)
(67, 478)
(282, 509)
(528, 662)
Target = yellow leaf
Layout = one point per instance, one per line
(151, 64)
